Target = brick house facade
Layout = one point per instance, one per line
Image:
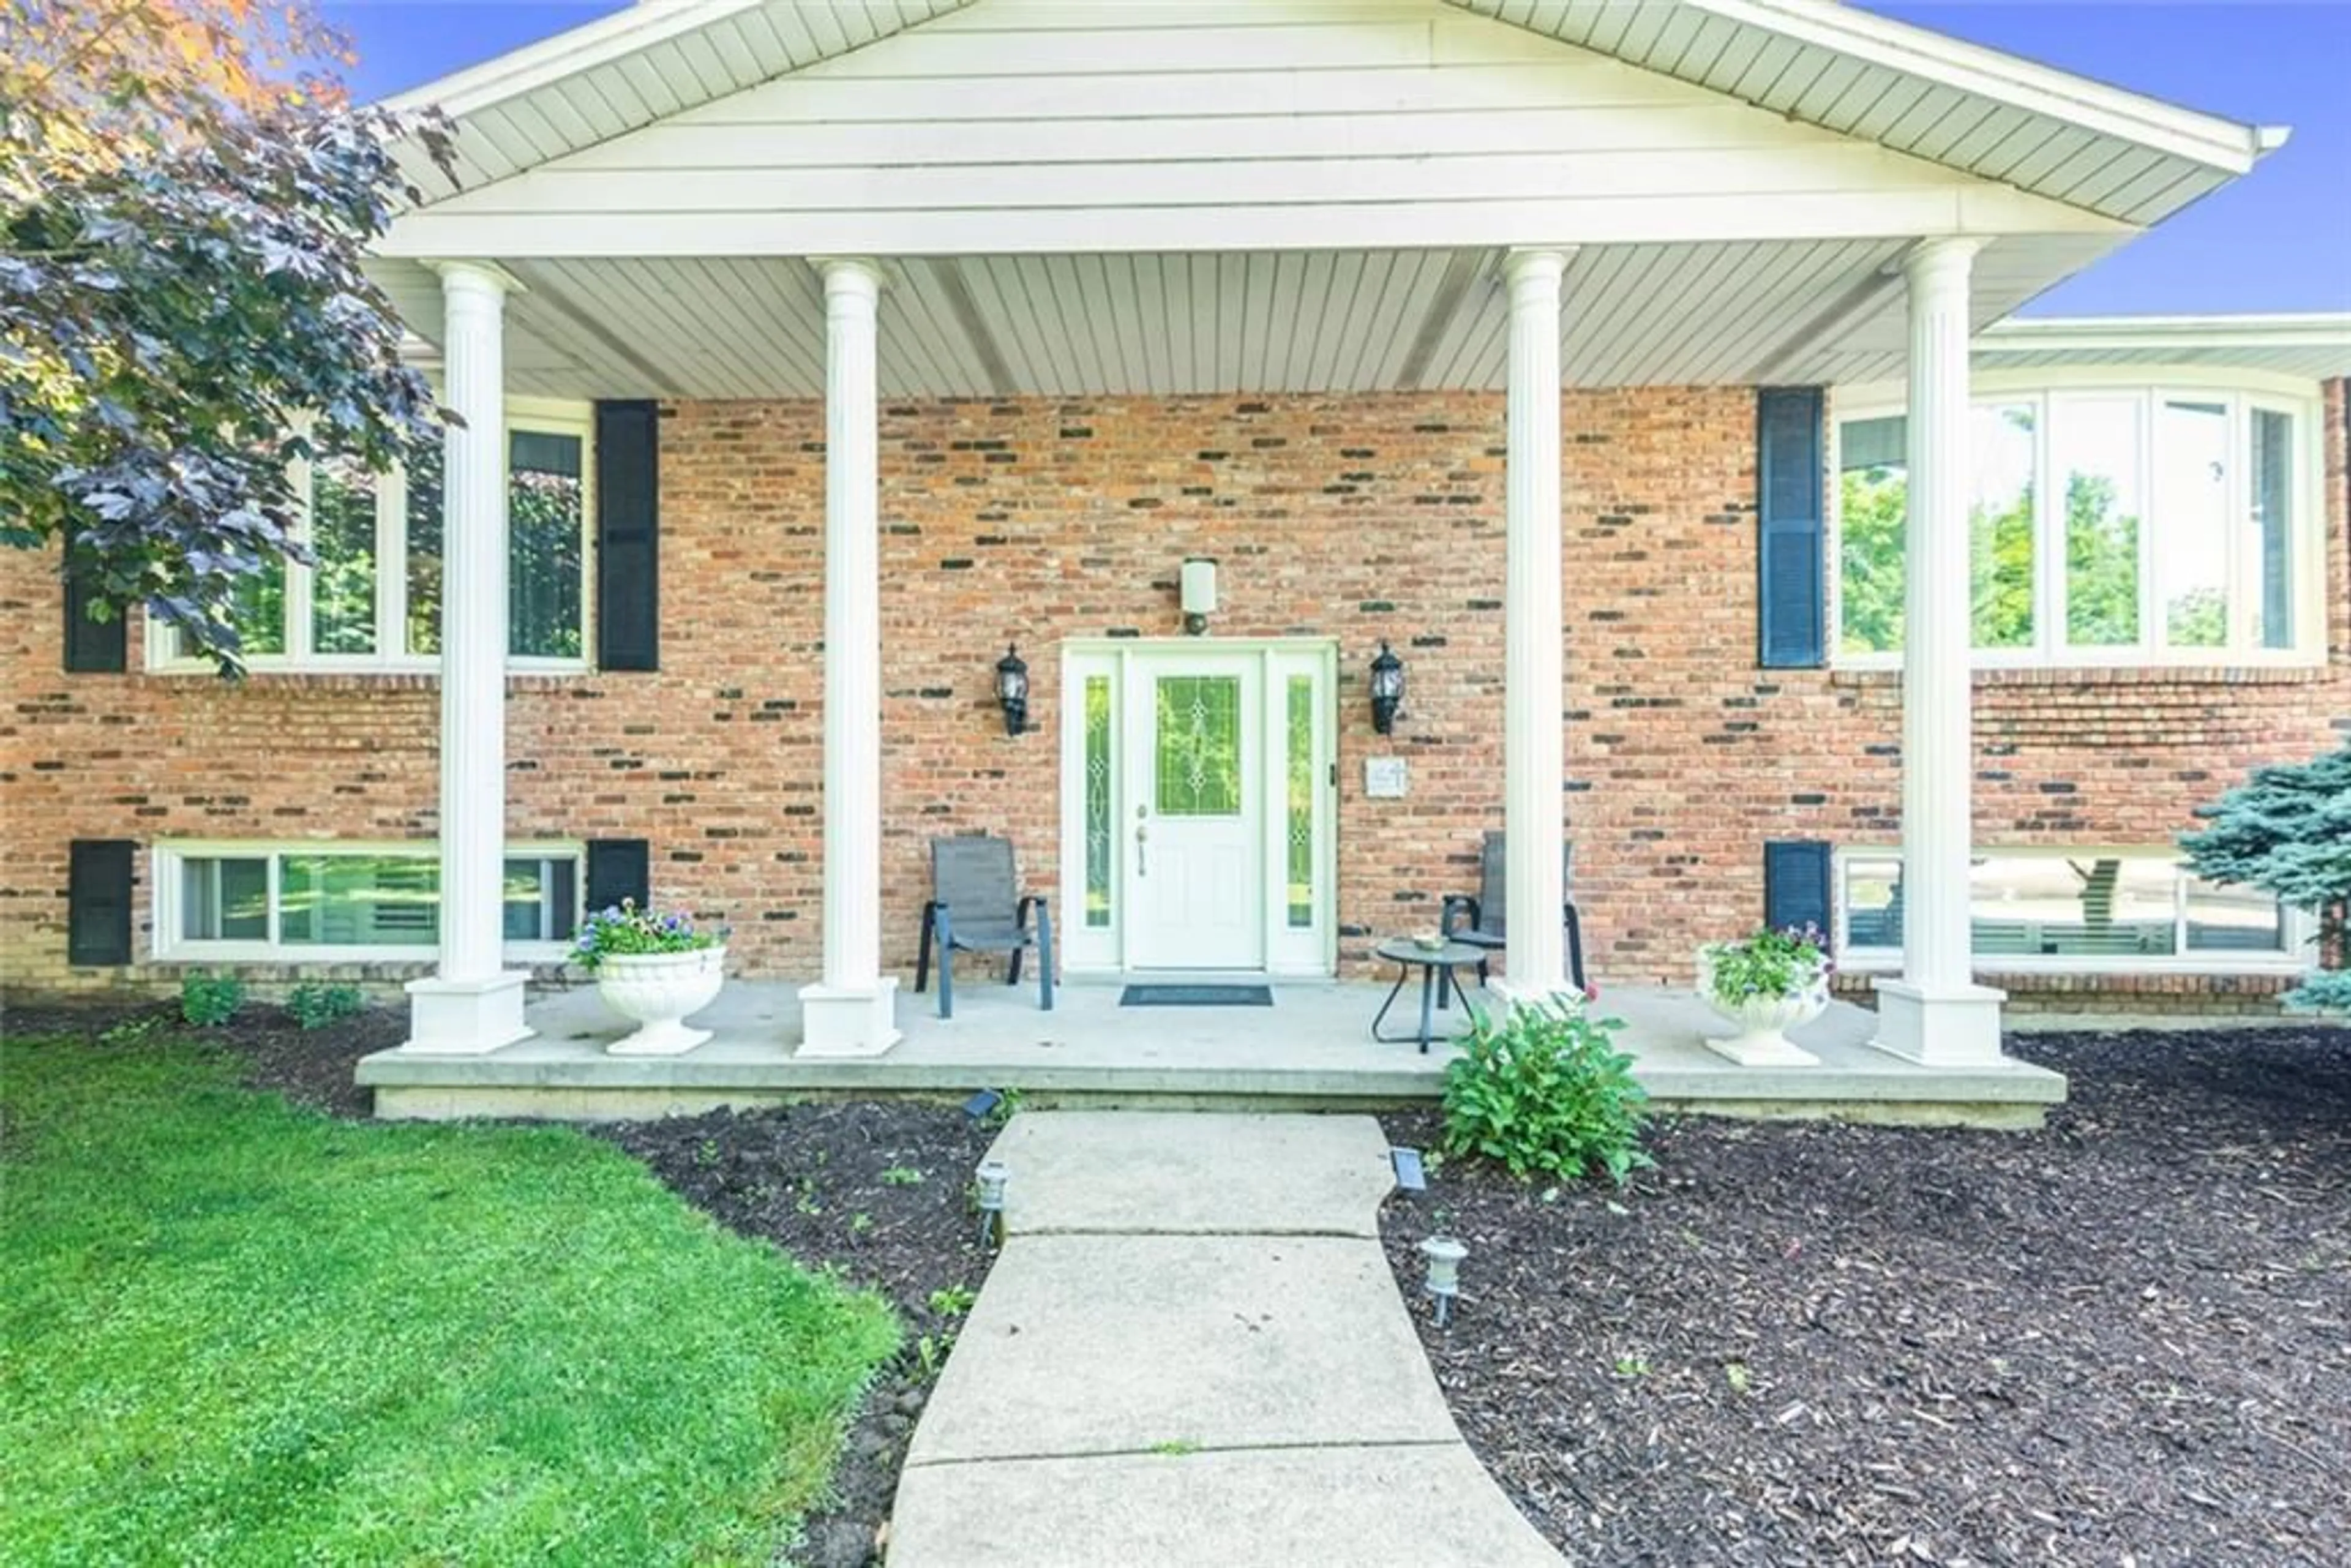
(1355, 518)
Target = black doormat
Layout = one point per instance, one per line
(1196, 997)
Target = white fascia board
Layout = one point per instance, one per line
(2206, 139)
(2088, 334)
(568, 52)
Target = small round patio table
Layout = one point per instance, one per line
(1435, 966)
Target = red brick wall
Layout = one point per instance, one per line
(1354, 518)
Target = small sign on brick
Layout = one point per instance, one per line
(1384, 777)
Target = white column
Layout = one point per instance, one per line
(473, 1003)
(852, 1011)
(1936, 1013)
(1533, 751)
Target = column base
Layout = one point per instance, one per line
(1515, 993)
(464, 1018)
(1950, 1026)
(848, 1021)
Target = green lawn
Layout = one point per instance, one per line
(232, 1331)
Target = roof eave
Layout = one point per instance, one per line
(2216, 143)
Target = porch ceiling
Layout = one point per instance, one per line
(1211, 322)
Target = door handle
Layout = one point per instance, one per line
(1140, 834)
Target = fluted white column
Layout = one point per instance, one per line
(851, 1011)
(472, 1004)
(1935, 1012)
(1533, 751)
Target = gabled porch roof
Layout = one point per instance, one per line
(1306, 195)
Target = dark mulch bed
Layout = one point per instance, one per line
(2125, 1338)
(826, 1183)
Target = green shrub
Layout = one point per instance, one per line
(208, 1001)
(2287, 831)
(315, 1006)
(1544, 1090)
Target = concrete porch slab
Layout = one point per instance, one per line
(1209, 1342)
(1194, 1173)
(1311, 1049)
(1408, 1506)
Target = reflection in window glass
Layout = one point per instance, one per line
(2083, 906)
(1873, 497)
(225, 900)
(257, 608)
(2002, 438)
(546, 514)
(335, 901)
(425, 503)
(2272, 478)
(1300, 840)
(1098, 806)
(342, 537)
(2048, 905)
(543, 900)
(2191, 542)
(2233, 919)
(2095, 459)
(1873, 901)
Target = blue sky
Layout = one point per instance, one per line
(2279, 239)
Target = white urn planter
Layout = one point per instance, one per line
(660, 991)
(1762, 1022)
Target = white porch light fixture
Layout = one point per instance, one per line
(1199, 585)
(1444, 1255)
(991, 1176)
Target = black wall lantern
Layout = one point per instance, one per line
(1387, 689)
(1012, 689)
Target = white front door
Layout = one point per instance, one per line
(1194, 829)
(1198, 803)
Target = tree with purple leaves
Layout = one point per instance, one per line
(186, 202)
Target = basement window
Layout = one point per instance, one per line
(2076, 910)
(340, 902)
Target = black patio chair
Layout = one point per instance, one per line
(1484, 921)
(976, 906)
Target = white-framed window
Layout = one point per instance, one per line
(2154, 521)
(372, 602)
(342, 902)
(2090, 909)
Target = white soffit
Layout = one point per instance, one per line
(2318, 345)
(1216, 322)
(2118, 153)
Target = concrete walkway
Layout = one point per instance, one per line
(1192, 1350)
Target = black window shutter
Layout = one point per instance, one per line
(97, 902)
(93, 647)
(628, 536)
(1791, 531)
(1796, 873)
(619, 869)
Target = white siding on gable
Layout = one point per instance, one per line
(1055, 127)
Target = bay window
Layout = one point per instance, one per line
(2075, 909)
(329, 901)
(372, 601)
(2107, 525)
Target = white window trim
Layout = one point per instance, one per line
(2298, 931)
(167, 862)
(540, 415)
(2244, 390)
